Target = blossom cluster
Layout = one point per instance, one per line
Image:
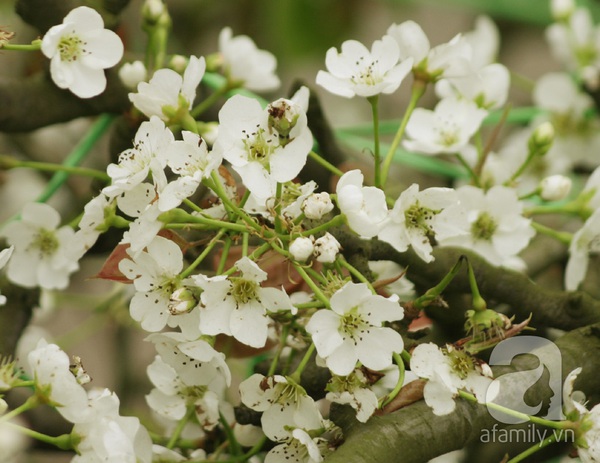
(211, 214)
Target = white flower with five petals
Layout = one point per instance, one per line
(353, 330)
(79, 50)
(358, 71)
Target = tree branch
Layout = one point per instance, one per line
(415, 435)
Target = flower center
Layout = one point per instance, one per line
(461, 362)
(70, 47)
(448, 137)
(353, 326)
(484, 227)
(244, 290)
(417, 216)
(46, 242)
(366, 74)
(259, 145)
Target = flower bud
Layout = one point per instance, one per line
(131, 74)
(182, 301)
(327, 248)
(541, 139)
(317, 205)
(153, 10)
(301, 248)
(555, 187)
(178, 63)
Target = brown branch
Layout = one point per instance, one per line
(415, 435)
(550, 307)
(37, 102)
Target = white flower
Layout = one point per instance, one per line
(413, 220)
(446, 129)
(302, 248)
(190, 159)
(169, 90)
(243, 61)
(237, 306)
(358, 71)
(107, 436)
(487, 87)
(154, 273)
(326, 248)
(448, 371)
(299, 448)
(585, 241)
(490, 223)
(555, 187)
(587, 421)
(448, 59)
(79, 50)
(364, 207)
(93, 221)
(4, 258)
(292, 198)
(484, 40)
(131, 74)
(53, 378)
(148, 155)
(254, 142)
(44, 255)
(354, 391)
(352, 330)
(284, 404)
(317, 205)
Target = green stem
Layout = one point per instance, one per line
(224, 255)
(282, 343)
(563, 237)
(245, 237)
(479, 303)
(6, 163)
(210, 100)
(402, 370)
(468, 168)
(355, 273)
(316, 290)
(35, 45)
(374, 101)
(278, 194)
(337, 220)
(534, 448)
(179, 428)
(302, 365)
(193, 206)
(418, 89)
(234, 445)
(330, 167)
(62, 442)
(179, 216)
(209, 247)
(30, 403)
(520, 415)
(432, 293)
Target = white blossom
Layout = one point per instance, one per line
(555, 187)
(364, 207)
(169, 90)
(490, 223)
(326, 248)
(447, 371)
(302, 248)
(131, 74)
(244, 62)
(44, 254)
(413, 220)
(446, 129)
(79, 50)
(237, 306)
(352, 330)
(107, 436)
(261, 148)
(358, 71)
(317, 205)
(585, 241)
(354, 391)
(155, 275)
